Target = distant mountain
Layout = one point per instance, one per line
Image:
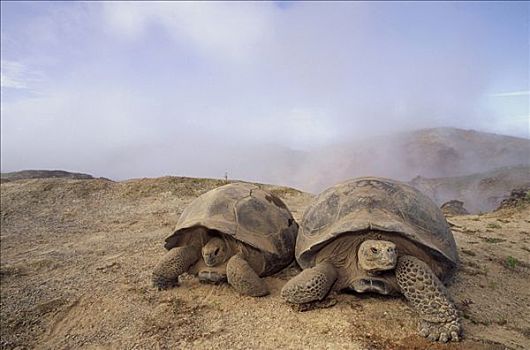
(480, 192)
(42, 174)
(428, 153)
(431, 153)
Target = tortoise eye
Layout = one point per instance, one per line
(374, 250)
(216, 251)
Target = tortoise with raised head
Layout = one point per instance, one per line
(378, 235)
(236, 233)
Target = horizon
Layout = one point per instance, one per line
(197, 89)
(472, 173)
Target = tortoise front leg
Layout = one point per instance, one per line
(429, 297)
(177, 261)
(311, 284)
(243, 278)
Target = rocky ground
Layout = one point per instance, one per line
(76, 260)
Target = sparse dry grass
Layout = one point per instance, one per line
(76, 257)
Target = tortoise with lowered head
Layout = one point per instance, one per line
(378, 235)
(235, 233)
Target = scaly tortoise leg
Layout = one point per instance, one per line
(429, 297)
(177, 261)
(243, 278)
(310, 285)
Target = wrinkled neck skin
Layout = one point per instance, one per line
(194, 237)
(211, 263)
(343, 253)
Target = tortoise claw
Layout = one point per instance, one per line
(444, 338)
(454, 336)
(442, 332)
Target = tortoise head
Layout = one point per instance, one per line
(215, 252)
(377, 255)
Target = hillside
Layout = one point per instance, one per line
(76, 260)
(431, 153)
(480, 192)
(43, 174)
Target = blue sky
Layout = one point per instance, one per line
(101, 87)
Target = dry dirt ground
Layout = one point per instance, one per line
(77, 255)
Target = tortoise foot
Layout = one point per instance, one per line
(310, 285)
(312, 305)
(244, 279)
(442, 332)
(162, 283)
(177, 261)
(212, 277)
(426, 294)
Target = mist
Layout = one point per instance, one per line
(272, 92)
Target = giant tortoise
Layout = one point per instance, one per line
(378, 235)
(235, 233)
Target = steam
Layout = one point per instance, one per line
(299, 95)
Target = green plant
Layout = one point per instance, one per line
(493, 225)
(511, 262)
(525, 200)
(468, 252)
(493, 240)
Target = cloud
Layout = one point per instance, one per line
(512, 93)
(197, 88)
(115, 132)
(298, 128)
(16, 75)
(516, 125)
(227, 31)
(71, 127)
